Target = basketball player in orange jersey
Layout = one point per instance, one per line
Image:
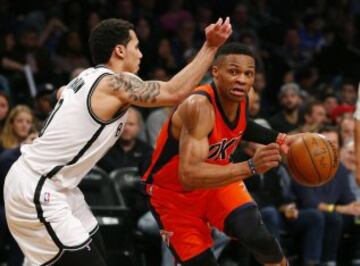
(191, 182)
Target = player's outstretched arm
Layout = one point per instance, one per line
(197, 115)
(131, 89)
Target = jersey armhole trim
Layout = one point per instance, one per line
(120, 113)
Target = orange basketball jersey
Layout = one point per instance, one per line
(223, 140)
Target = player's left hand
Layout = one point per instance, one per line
(285, 141)
(218, 33)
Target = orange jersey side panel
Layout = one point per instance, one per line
(223, 140)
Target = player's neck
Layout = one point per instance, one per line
(229, 107)
(117, 67)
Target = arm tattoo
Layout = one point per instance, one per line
(138, 90)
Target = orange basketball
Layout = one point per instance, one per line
(312, 160)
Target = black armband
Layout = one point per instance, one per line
(259, 134)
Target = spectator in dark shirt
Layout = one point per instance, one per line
(287, 120)
(129, 151)
(337, 203)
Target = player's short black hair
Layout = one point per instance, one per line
(105, 36)
(234, 48)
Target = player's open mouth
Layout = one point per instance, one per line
(237, 92)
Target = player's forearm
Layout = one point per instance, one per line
(190, 76)
(205, 175)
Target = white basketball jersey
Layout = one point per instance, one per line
(73, 139)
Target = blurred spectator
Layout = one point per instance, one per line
(184, 41)
(51, 35)
(146, 9)
(165, 57)
(17, 127)
(154, 122)
(250, 39)
(311, 34)
(147, 45)
(291, 52)
(43, 105)
(129, 151)
(348, 158)
(313, 116)
(341, 111)
(307, 78)
(203, 16)
(338, 205)
(255, 105)
(260, 82)
(241, 20)
(348, 93)
(357, 137)
(124, 9)
(7, 54)
(70, 54)
(347, 128)
(330, 103)
(4, 109)
(76, 72)
(30, 52)
(288, 119)
(174, 16)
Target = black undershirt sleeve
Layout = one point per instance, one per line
(259, 134)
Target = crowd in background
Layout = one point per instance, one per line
(307, 63)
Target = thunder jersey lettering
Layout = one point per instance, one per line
(223, 141)
(73, 139)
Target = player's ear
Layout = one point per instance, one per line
(214, 71)
(120, 51)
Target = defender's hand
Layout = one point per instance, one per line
(218, 33)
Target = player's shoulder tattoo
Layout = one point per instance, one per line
(137, 89)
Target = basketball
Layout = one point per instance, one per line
(312, 160)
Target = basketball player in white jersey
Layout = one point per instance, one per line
(46, 212)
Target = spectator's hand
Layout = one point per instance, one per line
(218, 33)
(266, 157)
(352, 208)
(291, 212)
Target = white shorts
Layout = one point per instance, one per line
(44, 220)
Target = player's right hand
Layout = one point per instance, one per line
(266, 157)
(218, 33)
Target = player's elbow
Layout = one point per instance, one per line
(187, 180)
(176, 95)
